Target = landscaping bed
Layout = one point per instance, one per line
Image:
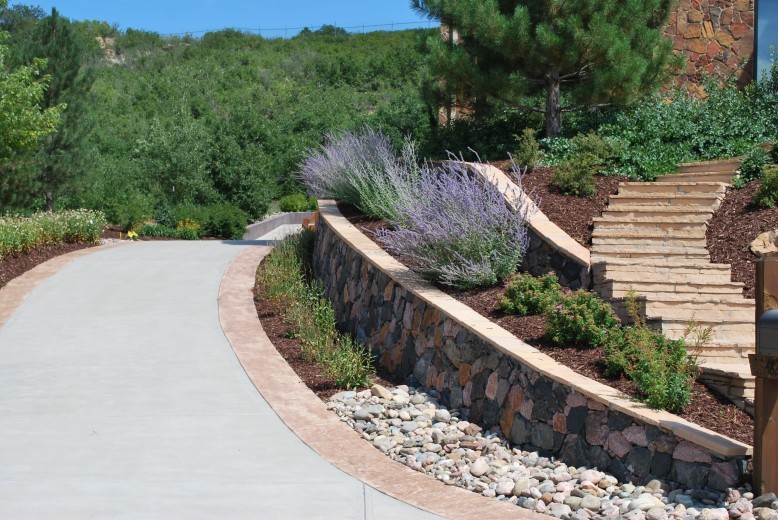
(733, 227)
(706, 408)
(13, 266)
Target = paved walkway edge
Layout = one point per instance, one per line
(13, 294)
(307, 416)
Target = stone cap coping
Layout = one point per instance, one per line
(510, 345)
(17, 290)
(321, 429)
(536, 219)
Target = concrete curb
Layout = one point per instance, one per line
(259, 229)
(307, 416)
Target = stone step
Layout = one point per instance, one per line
(724, 332)
(722, 177)
(672, 187)
(607, 252)
(665, 199)
(695, 280)
(660, 265)
(631, 232)
(650, 210)
(732, 380)
(636, 239)
(660, 223)
(619, 288)
(723, 165)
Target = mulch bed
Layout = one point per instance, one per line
(573, 214)
(734, 226)
(707, 408)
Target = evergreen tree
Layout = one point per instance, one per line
(64, 49)
(552, 56)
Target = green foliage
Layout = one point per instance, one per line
(297, 202)
(152, 229)
(283, 280)
(591, 52)
(22, 234)
(528, 151)
(22, 121)
(225, 221)
(528, 295)
(767, 195)
(752, 164)
(575, 176)
(662, 369)
(603, 150)
(581, 318)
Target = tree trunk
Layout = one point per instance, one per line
(49, 201)
(553, 105)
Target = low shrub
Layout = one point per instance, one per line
(528, 153)
(224, 221)
(297, 202)
(604, 151)
(752, 165)
(575, 176)
(662, 368)
(362, 169)
(283, 279)
(458, 229)
(581, 318)
(151, 229)
(188, 229)
(22, 234)
(767, 195)
(528, 295)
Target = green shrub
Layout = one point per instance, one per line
(150, 229)
(188, 229)
(528, 151)
(604, 150)
(662, 368)
(297, 202)
(575, 176)
(349, 363)
(528, 295)
(752, 165)
(767, 195)
(581, 318)
(774, 151)
(224, 221)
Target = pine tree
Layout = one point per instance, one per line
(64, 49)
(574, 54)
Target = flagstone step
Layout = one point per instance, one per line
(632, 232)
(724, 177)
(653, 210)
(722, 165)
(608, 251)
(659, 264)
(621, 288)
(660, 241)
(666, 199)
(672, 187)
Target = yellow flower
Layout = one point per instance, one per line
(132, 235)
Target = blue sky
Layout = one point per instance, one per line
(178, 16)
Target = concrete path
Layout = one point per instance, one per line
(121, 398)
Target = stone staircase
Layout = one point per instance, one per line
(651, 238)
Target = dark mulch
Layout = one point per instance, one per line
(706, 409)
(734, 226)
(13, 266)
(573, 214)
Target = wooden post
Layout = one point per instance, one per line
(764, 366)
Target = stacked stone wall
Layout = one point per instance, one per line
(717, 39)
(416, 341)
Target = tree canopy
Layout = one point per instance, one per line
(551, 56)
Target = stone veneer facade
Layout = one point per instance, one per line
(501, 382)
(717, 39)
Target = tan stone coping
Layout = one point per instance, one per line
(537, 221)
(732, 160)
(307, 416)
(510, 345)
(17, 290)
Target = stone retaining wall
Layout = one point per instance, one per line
(418, 332)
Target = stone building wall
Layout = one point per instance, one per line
(717, 39)
(415, 340)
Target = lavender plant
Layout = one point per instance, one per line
(458, 228)
(362, 169)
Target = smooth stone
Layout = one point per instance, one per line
(442, 415)
(479, 467)
(417, 399)
(714, 514)
(645, 502)
(656, 513)
(765, 513)
(559, 510)
(591, 502)
(381, 392)
(505, 487)
(409, 426)
(573, 502)
(765, 500)
(362, 415)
